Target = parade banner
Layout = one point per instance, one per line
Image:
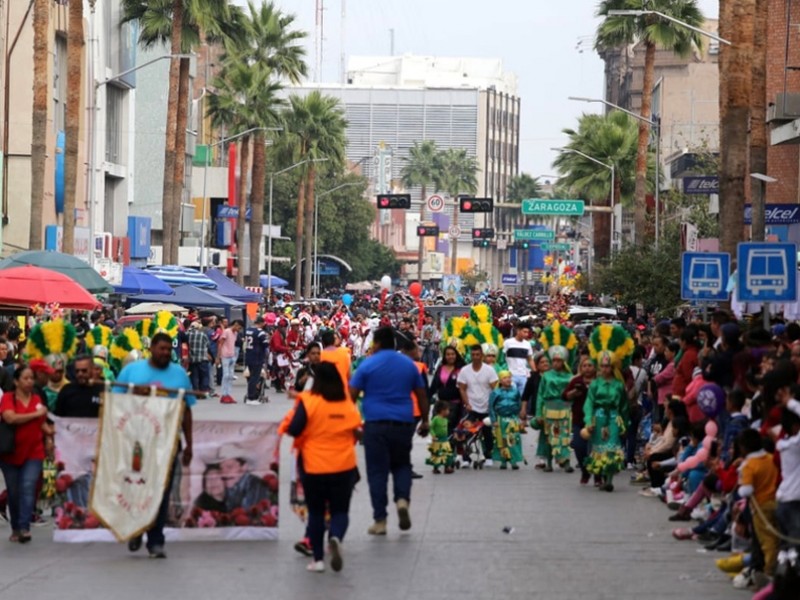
(228, 492)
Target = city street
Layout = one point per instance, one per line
(564, 542)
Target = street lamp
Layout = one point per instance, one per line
(641, 13)
(205, 196)
(269, 236)
(758, 206)
(655, 124)
(608, 166)
(92, 150)
(316, 229)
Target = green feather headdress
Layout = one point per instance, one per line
(127, 344)
(100, 335)
(615, 340)
(52, 338)
(558, 335)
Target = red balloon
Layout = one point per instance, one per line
(415, 289)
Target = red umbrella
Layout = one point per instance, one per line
(26, 286)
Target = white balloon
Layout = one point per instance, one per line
(386, 282)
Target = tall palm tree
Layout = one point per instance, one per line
(523, 186)
(421, 169)
(314, 128)
(456, 174)
(75, 44)
(41, 23)
(611, 139)
(653, 32)
(758, 116)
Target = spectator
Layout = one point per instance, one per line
(444, 385)
(199, 354)
(83, 397)
(476, 382)
(686, 361)
(226, 356)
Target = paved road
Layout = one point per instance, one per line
(568, 542)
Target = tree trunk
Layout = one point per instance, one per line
(454, 242)
(168, 227)
(309, 231)
(298, 238)
(735, 77)
(75, 44)
(257, 204)
(758, 118)
(421, 239)
(180, 159)
(640, 189)
(241, 218)
(41, 81)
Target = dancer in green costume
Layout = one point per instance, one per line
(553, 414)
(505, 408)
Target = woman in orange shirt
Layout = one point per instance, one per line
(326, 426)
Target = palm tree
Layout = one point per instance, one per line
(523, 186)
(420, 169)
(758, 116)
(611, 139)
(41, 23)
(456, 174)
(653, 32)
(75, 44)
(314, 128)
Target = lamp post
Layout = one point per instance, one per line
(316, 229)
(203, 263)
(656, 125)
(641, 13)
(92, 146)
(269, 236)
(608, 166)
(758, 224)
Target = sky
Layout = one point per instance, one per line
(548, 45)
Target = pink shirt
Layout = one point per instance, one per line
(227, 342)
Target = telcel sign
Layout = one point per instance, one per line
(559, 208)
(707, 184)
(775, 214)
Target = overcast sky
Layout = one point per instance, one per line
(547, 44)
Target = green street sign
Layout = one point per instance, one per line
(556, 247)
(534, 234)
(559, 208)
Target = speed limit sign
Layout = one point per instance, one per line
(454, 232)
(435, 203)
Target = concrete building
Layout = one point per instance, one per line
(392, 102)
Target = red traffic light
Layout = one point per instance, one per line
(476, 205)
(428, 231)
(394, 201)
(466, 206)
(485, 233)
(476, 233)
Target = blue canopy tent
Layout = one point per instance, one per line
(229, 289)
(174, 275)
(191, 297)
(277, 282)
(136, 281)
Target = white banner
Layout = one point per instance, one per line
(138, 441)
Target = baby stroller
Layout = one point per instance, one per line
(467, 443)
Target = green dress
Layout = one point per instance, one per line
(556, 434)
(607, 409)
(504, 407)
(440, 452)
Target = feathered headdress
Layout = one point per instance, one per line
(614, 340)
(478, 329)
(98, 340)
(126, 347)
(53, 341)
(557, 336)
(162, 321)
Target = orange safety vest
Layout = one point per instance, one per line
(327, 444)
(423, 370)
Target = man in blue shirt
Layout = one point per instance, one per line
(159, 370)
(256, 345)
(387, 380)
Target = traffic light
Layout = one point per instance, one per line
(482, 233)
(476, 205)
(394, 201)
(428, 231)
(481, 243)
(522, 245)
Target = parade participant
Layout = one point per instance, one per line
(83, 397)
(279, 351)
(159, 370)
(256, 345)
(575, 393)
(387, 379)
(26, 413)
(56, 342)
(444, 385)
(475, 382)
(199, 353)
(553, 413)
(294, 337)
(490, 352)
(507, 415)
(440, 452)
(519, 355)
(326, 426)
(226, 356)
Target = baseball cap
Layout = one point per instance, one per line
(40, 365)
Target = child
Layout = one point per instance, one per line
(788, 495)
(504, 410)
(737, 422)
(47, 493)
(441, 453)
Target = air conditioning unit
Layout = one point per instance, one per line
(785, 108)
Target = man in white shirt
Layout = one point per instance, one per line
(475, 383)
(519, 356)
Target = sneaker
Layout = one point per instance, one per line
(731, 564)
(227, 400)
(316, 566)
(39, 521)
(304, 547)
(515, 467)
(488, 463)
(335, 548)
(744, 579)
(135, 543)
(648, 493)
(402, 514)
(640, 479)
(675, 505)
(682, 534)
(415, 475)
(252, 402)
(585, 479)
(157, 552)
(377, 528)
(699, 514)
(680, 516)
(630, 466)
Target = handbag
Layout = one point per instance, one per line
(7, 435)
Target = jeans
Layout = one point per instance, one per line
(519, 382)
(200, 375)
(21, 483)
(228, 365)
(456, 412)
(253, 389)
(155, 535)
(581, 448)
(330, 491)
(788, 517)
(486, 432)
(387, 448)
(430, 355)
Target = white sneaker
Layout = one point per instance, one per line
(488, 463)
(252, 402)
(316, 566)
(699, 514)
(744, 579)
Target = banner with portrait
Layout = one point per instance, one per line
(228, 492)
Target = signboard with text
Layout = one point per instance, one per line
(534, 234)
(559, 208)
